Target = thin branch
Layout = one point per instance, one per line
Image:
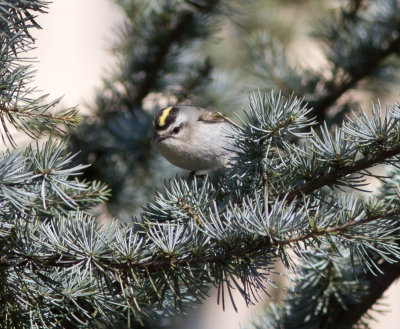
(163, 50)
(338, 89)
(174, 36)
(192, 82)
(355, 8)
(32, 114)
(159, 264)
(377, 286)
(331, 178)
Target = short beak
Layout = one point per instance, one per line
(158, 138)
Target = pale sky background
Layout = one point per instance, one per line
(73, 56)
(72, 48)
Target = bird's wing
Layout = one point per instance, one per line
(210, 116)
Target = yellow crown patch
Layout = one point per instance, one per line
(164, 116)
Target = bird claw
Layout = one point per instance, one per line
(192, 175)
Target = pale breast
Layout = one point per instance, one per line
(204, 150)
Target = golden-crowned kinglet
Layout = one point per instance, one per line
(193, 138)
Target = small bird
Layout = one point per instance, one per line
(193, 138)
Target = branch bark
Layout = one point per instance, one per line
(160, 263)
(325, 101)
(162, 52)
(378, 285)
(333, 176)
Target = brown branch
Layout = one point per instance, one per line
(194, 81)
(321, 105)
(158, 264)
(23, 113)
(163, 50)
(174, 36)
(377, 286)
(332, 177)
(355, 7)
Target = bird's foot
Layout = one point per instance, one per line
(192, 175)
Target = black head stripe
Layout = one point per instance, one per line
(165, 117)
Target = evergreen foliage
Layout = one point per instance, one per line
(290, 194)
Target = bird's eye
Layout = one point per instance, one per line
(176, 130)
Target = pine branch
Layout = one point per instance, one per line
(160, 264)
(34, 120)
(40, 181)
(18, 107)
(355, 7)
(69, 119)
(333, 176)
(341, 228)
(177, 34)
(378, 284)
(65, 270)
(337, 89)
(267, 245)
(163, 50)
(201, 73)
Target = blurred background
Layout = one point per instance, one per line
(74, 52)
(73, 48)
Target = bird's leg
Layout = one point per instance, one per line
(192, 175)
